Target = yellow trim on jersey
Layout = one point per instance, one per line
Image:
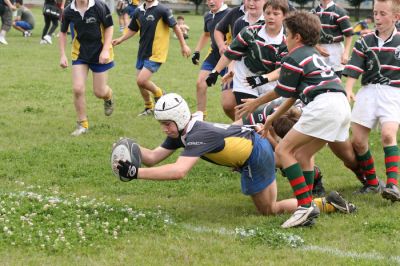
(135, 2)
(160, 43)
(75, 47)
(235, 153)
(110, 50)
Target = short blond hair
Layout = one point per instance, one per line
(395, 4)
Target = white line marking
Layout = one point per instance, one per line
(332, 251)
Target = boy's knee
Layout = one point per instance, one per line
(79, 89)
(360, 146)
(141, 82)
(388, 138)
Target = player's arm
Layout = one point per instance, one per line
(347, 47)
(185, 50)
(154, 156)
(350, 82)
(173, 171)
(62, 40)
(250, 105)
(128, 33)
(221, 65)
(219, 38)
(283, 108)
(203, 40)
(105, 52)
(10, 5)
(255, 81)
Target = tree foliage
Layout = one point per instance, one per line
(197, 3)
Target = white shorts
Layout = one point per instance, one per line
(334, 59)
(327, 117)
(241, 72)
(376, 103)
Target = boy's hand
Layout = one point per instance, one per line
(255, 81)
(196, 57)
(127, 170)
(247, 107)
(212, 78)
(115, 42)
(64, 61)
(104, 57)
(186, 51)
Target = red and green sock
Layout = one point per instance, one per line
(309, 177)
(299, 185)
(391, 164)
(367, 164)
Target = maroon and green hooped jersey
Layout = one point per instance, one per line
(259, 56)
(304, 75)
(335, 23)
(386, 62)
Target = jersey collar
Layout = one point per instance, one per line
(246, 18)
(222, 8)
(381, 41)
(90, 4)
(142, 6)
(272, 40)
(331, 3)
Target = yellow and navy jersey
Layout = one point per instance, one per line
(89, 30)
(304, 75)
(133, 2)
(227, 145)
(226, 24)
(154, 23)
(373, 56)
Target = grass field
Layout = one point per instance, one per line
(60, 204)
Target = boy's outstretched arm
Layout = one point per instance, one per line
(128, 33)
(185, 50)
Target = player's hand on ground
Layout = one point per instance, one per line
(104, 57)
(212, 78)
(228, 77)
(186, 52)
(127, 170)
(256, 81)
(64, 61)
(196, 58)
(247, 107)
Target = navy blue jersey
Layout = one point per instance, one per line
(154, 23)
(226, 25)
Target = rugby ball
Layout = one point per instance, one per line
(125, 149)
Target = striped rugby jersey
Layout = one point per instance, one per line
(259, 55)
(304, 75)
(388, 53)
(335, 23)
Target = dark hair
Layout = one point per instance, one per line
(283, 124)
(305, 24)
(283, 5)
(370, 18)
(21, 2)
(180, 17)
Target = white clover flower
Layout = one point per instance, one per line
(126, 220)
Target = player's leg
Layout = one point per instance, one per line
(100, 87)
(285, 151)
(228, 101)
(392, 155)
(79, 76)
(364, 158)
(17, 26)
(345, 152)
(201, 91)
(146, 95)
(143, 78)
(266, 203)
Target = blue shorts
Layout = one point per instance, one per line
(146, 63)
(131, 10)
(208, 66)
(23, 24)
(260, 170)
(96, 68)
